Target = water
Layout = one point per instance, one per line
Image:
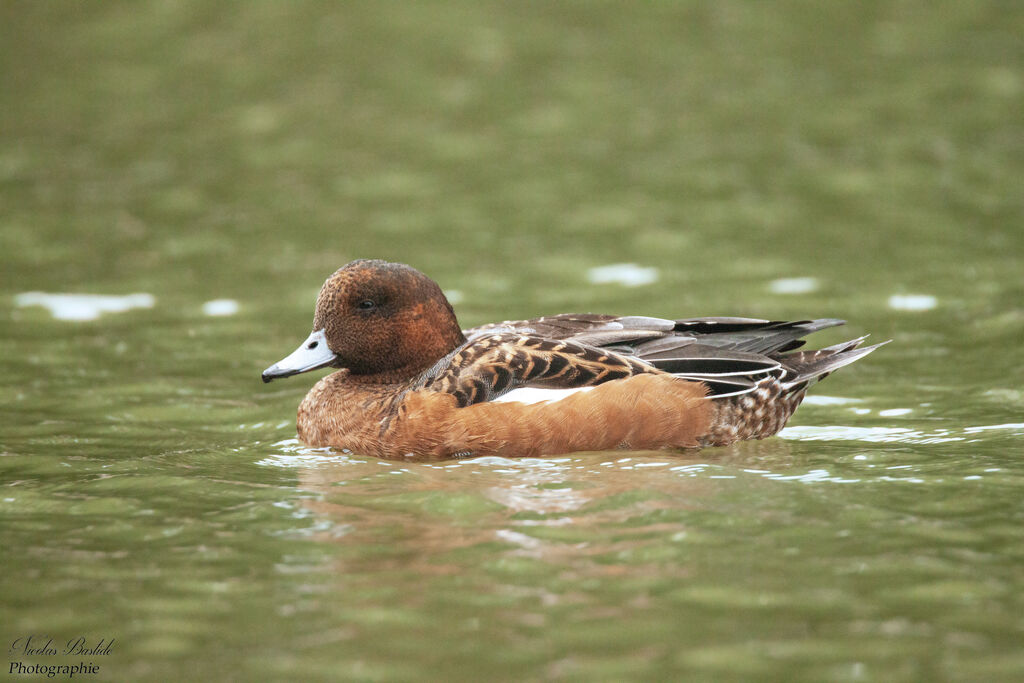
(202, 168)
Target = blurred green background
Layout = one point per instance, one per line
(197, 151)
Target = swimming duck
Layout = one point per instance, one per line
(413, 384)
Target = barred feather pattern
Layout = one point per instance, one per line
(758, 414)
(490, 366)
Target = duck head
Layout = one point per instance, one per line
(380, 320)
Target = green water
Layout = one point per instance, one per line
(152, 489)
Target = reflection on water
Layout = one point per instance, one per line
(893, 434)
(606, 543)
(218, 307)
(80, 307)
(912, 302)
(793, 285)
(627, 274)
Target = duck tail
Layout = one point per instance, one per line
(807, 367)
(764, 409)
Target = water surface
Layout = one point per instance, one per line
(198, 169)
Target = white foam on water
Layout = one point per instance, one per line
(893, 434)
(296, 454)
(895, 412)
(814, 476)
(220, 307)
(518, 538)
(80, 307)
(912, 302)
(793, 285)
(869, 434)
(1014, 426)
(626, 274)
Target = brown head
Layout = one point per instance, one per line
(377, 319)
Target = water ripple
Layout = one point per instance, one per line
(890, 434)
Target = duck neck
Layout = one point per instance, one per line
(392, 376)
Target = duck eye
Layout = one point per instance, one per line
(365, 305)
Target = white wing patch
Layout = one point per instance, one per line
(527, 395)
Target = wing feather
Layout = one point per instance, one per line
(729, 355)
(497, 363)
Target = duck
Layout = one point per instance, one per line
(410, 383)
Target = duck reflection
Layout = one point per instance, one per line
(437, 517)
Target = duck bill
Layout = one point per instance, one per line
(311, 355)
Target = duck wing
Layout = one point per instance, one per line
(742, 334)
(732, 355)
(492, 364)
(594, 329)
(729, 355)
